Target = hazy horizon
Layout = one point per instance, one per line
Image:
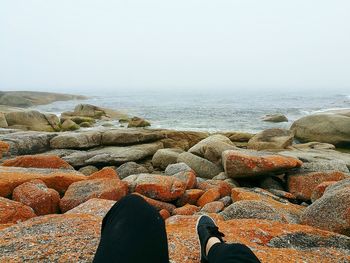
(111, 46)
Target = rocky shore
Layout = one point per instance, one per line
(284, 193)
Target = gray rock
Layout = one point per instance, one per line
(212, 147)
(201, 166)
(221, 176)
(271, 183)
(176, 168)
(271, 139)
(226, 200)
(313, 155)
(275, 118)
(323, 166)
(88, 170)
(76, 140)
(130, 168)
(113, 154)
(163, 157)
(28, 142)
(3, 122)
(130, 136)
(251, 209)
(328, 128)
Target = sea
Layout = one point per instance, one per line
(214, 110)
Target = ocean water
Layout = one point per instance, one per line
(211, 110)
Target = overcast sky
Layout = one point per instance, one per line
(73, 45)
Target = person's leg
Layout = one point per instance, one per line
(132, 231)
(231, 253)
(214, 250)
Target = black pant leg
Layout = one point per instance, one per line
(132, 231)
(231, 253)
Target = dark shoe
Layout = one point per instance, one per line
(206, 229)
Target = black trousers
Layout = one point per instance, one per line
(133, 232)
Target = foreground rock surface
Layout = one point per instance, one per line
(38, 161)
(271, 241)
(14, 212)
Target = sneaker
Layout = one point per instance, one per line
(206, 229)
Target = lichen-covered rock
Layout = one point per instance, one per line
(159, 205)
(242, 164)
(88, 170)
(332, 211)
(38, 196)
(319, 190)
(69, 125)
(11, 177)
(76, 140)
(186, 210)
(38, 161)
(95, 206)
(223, 187)
(189, 178)
(190, 197)
(138, 122)
(129, 136)
(209, 196)
(163, 188)
(213, 207)
(106, 172)
(79, 192)
(13, 212)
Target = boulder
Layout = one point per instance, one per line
(86, 110)
(319, 190)
(328, 128)
(212, 147)
(138, 122)
(186, 210)
(271, 139)
(201, 166)
(313, 155)
(275, 118)
(238, 137)
(182, 139)
(58, 179)
(79, 119)
(213, 207)
(29, 142)
(112, 155)
(88, 170)
(159, 205)
(33, 120)
(130, 168)
(188, 177)
(223, 187)
(4, 148)
(176, 168)
(164, 214)
(130, 136)
(69, 125)
(52, 238)
(278, 206)
(252, 209)
(245, 164)
(14, 212)
(74, 140)
(3, 122)
(302, 182)
(79, 192)
(163, 188)
(163, 157)
(209, 196)
(190, 196)
(331, 211)
(271, 241)
(38, 196)
(15, 101)
(105, 172)
(38, 161)
(95, 206)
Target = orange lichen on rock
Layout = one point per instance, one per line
(38, 161)
(188, 177)
(94, 206)
(106, 172)
(13, 212)
(240, 164)
(223, 187)
(302, 185)
(164, 214)
(186, 210)
(213, 207)
(11, 177)
(79, 192)
(160, 187)
(209, 196)
(190, 197)
(4, 148)
(318, 191)
(38, 196)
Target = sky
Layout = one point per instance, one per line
(110, 45)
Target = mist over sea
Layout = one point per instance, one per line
(211, 110)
